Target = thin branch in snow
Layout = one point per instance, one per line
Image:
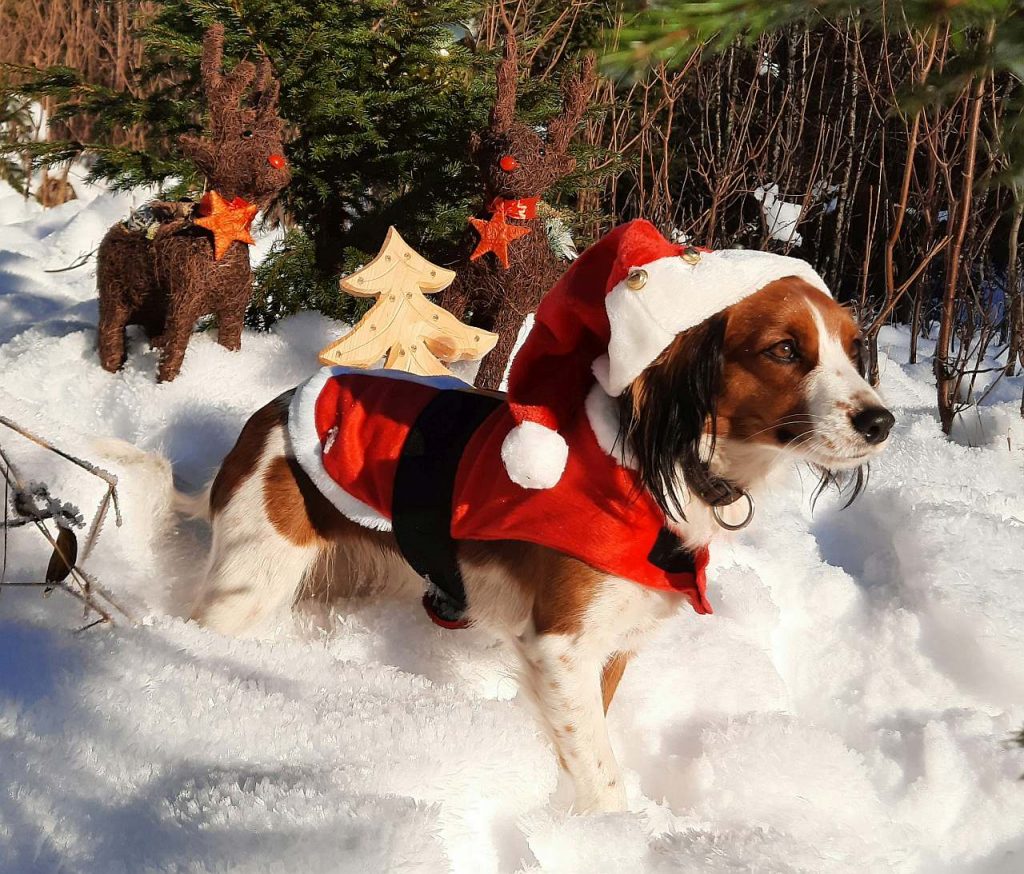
(34, 505)
(80, 261)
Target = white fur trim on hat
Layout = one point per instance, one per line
(534, 455)
(305, 442)
(678, 296)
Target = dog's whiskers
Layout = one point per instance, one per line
(782, 423)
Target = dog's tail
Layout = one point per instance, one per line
(195, 506)
(157, 468)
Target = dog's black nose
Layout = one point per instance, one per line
(873, 424)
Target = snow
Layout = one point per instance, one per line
(847, 708)
(767, 67)
(780, 216)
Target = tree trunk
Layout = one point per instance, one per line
(1014, 298)
(915, 325)
(945, 378)
(871, 370)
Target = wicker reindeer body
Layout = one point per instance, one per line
(499, 300)
(517, 166)
(167, 274)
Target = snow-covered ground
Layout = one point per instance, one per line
(847, 708)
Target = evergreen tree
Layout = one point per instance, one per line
(15, 126)
(380, 96)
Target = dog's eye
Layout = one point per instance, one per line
(247, 134)
(784, 351)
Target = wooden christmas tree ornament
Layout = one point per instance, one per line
(415, 334)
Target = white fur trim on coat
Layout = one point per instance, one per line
(678, 296)
(603, 416)
(534, 455)
(305, 442)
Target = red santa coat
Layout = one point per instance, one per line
(348, 429)
(541, 467)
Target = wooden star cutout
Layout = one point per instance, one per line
(495, 235)
(228, 221)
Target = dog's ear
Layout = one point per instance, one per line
(668, 415)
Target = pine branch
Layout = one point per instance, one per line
(380, 97)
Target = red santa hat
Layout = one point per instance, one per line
(616, 309)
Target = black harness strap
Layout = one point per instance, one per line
(424, 487)
(669, 554)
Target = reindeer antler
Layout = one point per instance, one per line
(213, 57)
(268, 90)
(504, 112)
(223, 92)
(240, 149)
(223, 96)
(576, 90)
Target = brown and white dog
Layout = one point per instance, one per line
(772, 379)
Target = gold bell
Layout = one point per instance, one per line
(691, 255)
(636, 279)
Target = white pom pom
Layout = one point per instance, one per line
(534, 456)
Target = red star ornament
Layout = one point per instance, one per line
(227, 220)
(495, 235)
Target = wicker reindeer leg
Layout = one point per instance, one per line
(230, 321)
(111, 334)
(506, 324)
(126, 288)
(181, 319)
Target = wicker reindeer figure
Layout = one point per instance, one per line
(176, 262)
(512, 264)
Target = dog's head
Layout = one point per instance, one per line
(776, 375)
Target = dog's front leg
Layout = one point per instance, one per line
(565, 680)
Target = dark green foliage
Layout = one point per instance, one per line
(168, 111)
(380, 94)
(672, 29)
(379, 97)
(288, 282)
(15, 126)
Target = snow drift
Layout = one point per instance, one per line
(847, 708)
